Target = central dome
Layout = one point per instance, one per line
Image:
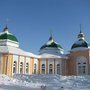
(51, 43)
(51, 47)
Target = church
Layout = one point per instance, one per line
(50, 60)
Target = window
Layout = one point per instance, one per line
(58, 69)
(35, 68)
(50, 69)
(14, 67)
(79, 69)
(82, 65)
(43, 68)
(27, 68)
(21, 68)
(82, 69)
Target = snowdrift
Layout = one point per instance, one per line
(52, 82)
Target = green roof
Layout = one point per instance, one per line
(8, 36)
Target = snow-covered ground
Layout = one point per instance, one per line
(52, 82)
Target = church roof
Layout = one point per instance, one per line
(48, 55)
(16, 51)
(81, 42)
(6, 35)
(51, 43)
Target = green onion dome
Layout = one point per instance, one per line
(6, 35)
(51, 43)
(8, 39)
(81, 42)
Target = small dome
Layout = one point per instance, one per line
(51, 43)
(51, 47)
(8, 39)
(81, 41)
(6, 35)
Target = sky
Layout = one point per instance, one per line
(31, 21)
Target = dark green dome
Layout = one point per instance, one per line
(80, 43)
(6, 35)
(51, 43)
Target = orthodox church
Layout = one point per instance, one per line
(50, 60)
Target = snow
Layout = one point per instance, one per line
(79, 49)
(52, 82)
(17, 51)
(48, 55)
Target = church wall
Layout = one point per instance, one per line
(46, 66)
(31, 65)
(89, 63)
(27, 60)
(4, 58)
(36, 65)
(47, 62)
(51, 61)
(22, 59)
(39, 65)
(0, 63)
(71, 63)
(44, 62)
(10, 63)
(7, 61)
(15, 58)
(57, 61)
(64, 68)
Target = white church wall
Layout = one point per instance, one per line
(22, 59)
(36, 62)
(27, 60)
(15, 58)
(0, 63)
(43, 62)
(51, 61)
(57, 61)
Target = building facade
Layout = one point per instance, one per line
(50, 60)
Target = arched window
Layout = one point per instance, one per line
(50, 69)
(82, 65)
(35, 68)
(58, 69)
(82, 68)
(43, 68)
(14, 67)
(27, 68)
(21, 67)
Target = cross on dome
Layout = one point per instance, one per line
(81, 35)
(5, 29)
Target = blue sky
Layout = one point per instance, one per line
(32, 20)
